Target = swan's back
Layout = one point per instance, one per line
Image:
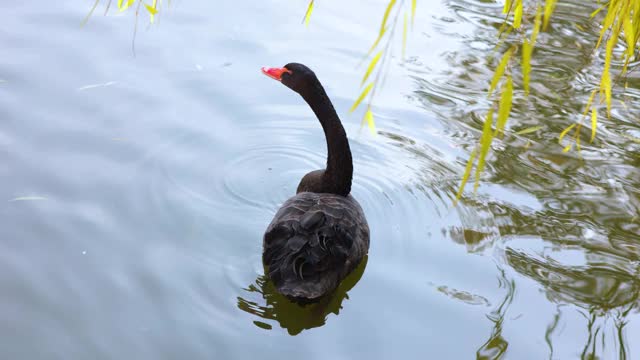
(314, 241)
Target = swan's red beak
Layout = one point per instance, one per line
(275, 73)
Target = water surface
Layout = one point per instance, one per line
(137, 187)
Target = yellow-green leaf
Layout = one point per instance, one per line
(372, 65)
(527, 49)
(361, 97)
(124, 6)
(152, 10)
(595, 12)
(466, 175)
(413, 11)
(565, 131)
(621, 103)
(612, 12)
(577, 136)
(586, 109)
(505, 105)
(517, 14)
(368, 117)
(594, 123)
(605, 86)
(636, 20)
(383, 25)
(536, 26)
(307, 15)
(567, 148)
(629, 35)
(404, 36)
(93, 8)
(499, 71)
(375, 43)
(529, 130)
(549, 6)
(485, 144)
(507, 7)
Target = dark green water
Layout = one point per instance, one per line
(135, 189)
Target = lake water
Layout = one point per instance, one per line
(136, 187)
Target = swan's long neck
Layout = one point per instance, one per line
(339, 172)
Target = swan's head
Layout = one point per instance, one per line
(296, 77)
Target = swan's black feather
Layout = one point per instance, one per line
(313, 242)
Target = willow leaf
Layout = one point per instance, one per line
(507, 7)
(368, 117)
(529, 130)
(383, 25)
(372, 65)
(608, 20)
(307, 15)
(413, 11)
(404, 36)
(629, 35)
(505, 105)
(485, 144)
(586, 109)
(636, 20)
(605, 86)
(93, 8)
(536, 26)
(361, 97)
(594, 123)
(636, 17)
(605, 80)
(527, 49)
(375, 43)
(466, 175)
(595, 12)
(152, 10)
(549, 6)
(565, 131)
(517, 15)
(499, 71)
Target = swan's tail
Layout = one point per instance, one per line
(306, 258)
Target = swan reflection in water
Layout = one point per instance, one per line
(290, 315)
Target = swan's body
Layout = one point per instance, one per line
(315, 241)
(321, 234)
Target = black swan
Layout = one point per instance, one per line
(321, 234)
